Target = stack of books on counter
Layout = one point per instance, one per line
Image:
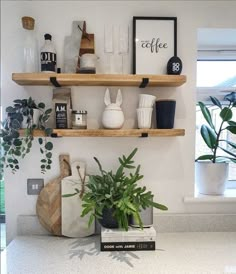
(134, 239)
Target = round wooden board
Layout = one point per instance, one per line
(48, 207)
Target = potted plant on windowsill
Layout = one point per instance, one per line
(15, 146)
(113, 197)
(212, 169)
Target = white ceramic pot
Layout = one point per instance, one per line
(146, 100)
(113, 118)
(211, 178)
(146, 216)
(35, 118)
(144, 117)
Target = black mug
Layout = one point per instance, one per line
(165, 113)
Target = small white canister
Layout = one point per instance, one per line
(88, 60)
(79, 119)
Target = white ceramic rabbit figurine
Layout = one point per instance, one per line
(113, 116)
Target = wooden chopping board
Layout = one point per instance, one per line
(48, 207)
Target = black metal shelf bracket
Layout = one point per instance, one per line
(144, 82)
(144, 135)
(53, 80)
(55, 135)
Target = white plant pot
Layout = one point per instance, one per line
(211, 178)
(35, 118)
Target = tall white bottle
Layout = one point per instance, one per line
(48, 55)
(30, 47)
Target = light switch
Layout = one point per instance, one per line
(34, 186)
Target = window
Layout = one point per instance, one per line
(216, 78)
(216, 74)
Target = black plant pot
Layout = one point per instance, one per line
(108, 219)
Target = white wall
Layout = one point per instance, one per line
(167, 163)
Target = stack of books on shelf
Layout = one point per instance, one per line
(134, 239)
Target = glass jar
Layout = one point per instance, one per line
(79, 119)
(30, 47)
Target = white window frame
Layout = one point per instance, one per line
(203, 93)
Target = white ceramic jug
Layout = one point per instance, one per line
(113, 116)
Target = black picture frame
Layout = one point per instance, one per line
(154, 43)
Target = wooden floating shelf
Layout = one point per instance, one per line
(64, 79)
(112, 132)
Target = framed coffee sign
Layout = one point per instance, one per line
(154, 43)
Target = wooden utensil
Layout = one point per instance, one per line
(87, 42)
(48, 207)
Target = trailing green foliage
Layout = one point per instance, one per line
(118, 191)
(212, 136)
(15, 147)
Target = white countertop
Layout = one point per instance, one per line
(185, 253)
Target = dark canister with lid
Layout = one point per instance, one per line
(79, 119)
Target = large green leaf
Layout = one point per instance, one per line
(41, 105)
(209, 136)
(226, 114)
(17, 142)
(15, 124)
(232, 123)
(18, 101)
(69, 195)
(49, 146)
(10, 109)
(48, 111)
(232, 129)
(159, 206)
(205, 157)
(216, 102)
(230, 97)
(206, 113)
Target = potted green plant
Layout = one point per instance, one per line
(15, 144)
(113, 197)
(212, 168)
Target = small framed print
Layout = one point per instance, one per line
(154, 43)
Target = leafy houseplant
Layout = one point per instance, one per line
(16, 146)
(211, 170)
(212, 136)
(117, 192)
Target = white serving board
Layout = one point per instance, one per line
(71, 207)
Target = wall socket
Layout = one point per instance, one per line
(34, 186)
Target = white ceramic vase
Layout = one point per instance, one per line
(211, 178)
(113, 118)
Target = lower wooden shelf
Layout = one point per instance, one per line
(112, 133)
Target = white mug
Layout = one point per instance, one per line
(146, 100)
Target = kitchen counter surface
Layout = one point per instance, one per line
(188, 253)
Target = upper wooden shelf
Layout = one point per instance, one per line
(65, 79)
(112, 132)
